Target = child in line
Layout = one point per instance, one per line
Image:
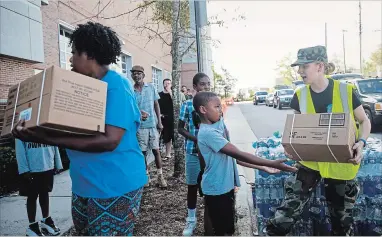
(188, 128)
(219, 180)
(36, 164)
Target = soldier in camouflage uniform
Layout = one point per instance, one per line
(340, 197)
(341, 191)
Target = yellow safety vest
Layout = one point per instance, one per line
(342, 103)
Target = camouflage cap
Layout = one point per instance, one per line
(310, 55)
(137, 68)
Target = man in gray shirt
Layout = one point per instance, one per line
(148, 134)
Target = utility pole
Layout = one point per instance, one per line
(343, 45)
(360, 37)
(326, 37)
(198, 38)
(200, 7)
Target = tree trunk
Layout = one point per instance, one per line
(176, 82)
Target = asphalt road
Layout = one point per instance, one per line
(264, 121)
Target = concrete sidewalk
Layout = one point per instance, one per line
(242, 136)
(13, 213)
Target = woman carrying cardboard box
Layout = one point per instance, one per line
(107, 169)
(323, 95)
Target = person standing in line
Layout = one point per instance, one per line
(323, 95)
(167, 116)
(37, 164)
(189, 95)
(148, 134)
(183, 95)
(220, 177)
(107, 169)
(187, 127)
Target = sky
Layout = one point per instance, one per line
(250, 48)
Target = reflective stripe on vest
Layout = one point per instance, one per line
(342, 102)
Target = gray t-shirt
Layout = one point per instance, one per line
(220, 174)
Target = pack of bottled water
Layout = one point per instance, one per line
(268, 192)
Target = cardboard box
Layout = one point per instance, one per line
(310, 138)
(57, 99)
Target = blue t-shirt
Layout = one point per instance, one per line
(35, 157)
(146, 99)
(112, 174)
(220, 174)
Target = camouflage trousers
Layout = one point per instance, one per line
(340, 197)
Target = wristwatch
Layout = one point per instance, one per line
(363, 140)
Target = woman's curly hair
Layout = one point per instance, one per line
(99, 42)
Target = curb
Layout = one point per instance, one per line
(246, 214)
(242, 136)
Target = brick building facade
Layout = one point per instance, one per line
(47, 38)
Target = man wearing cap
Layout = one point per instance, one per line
(148, 134)
(323, 95)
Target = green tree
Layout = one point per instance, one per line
(285, 71)
(369, 67)
(225, 84)
(376, 56)
(251, 93)
(217, 77)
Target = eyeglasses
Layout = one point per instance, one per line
(136, 73)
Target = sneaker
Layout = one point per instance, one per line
(190, 226)
(49, 226)
(34, 230)
(161, 181)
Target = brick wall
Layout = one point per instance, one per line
(144, 52)
(188, 72)
(13, 71)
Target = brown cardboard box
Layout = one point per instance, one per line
(306, 137)
(70, 102)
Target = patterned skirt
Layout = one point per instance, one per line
(106, 217)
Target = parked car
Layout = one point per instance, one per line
(281, 87)
(259, 97)
(346, 76)
(269, 99)
(282, 98)
(369, 92)
(297, 84)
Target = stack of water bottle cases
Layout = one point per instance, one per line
(268, 193)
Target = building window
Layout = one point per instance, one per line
(126, 65)
(65, 49)
(157, 77)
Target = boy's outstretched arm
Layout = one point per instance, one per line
(231, 150)
(259, 167)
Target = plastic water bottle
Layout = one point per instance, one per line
(259, 189)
